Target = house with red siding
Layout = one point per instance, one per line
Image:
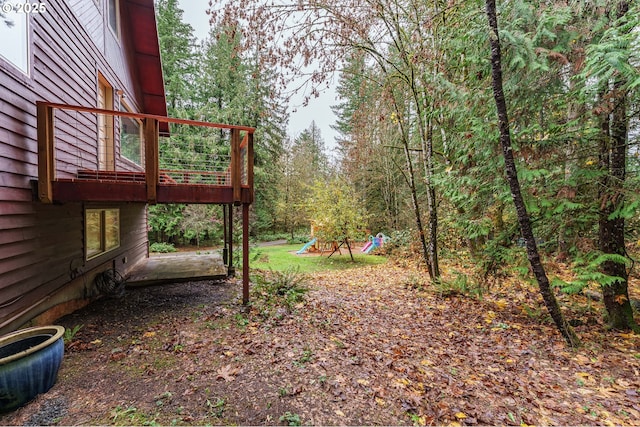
(82, 122)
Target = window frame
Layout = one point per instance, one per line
(116, 7)
(124, 107)
(10, 64)
(106, 146)
(104, 247)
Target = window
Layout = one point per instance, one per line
(102, 231)
(113, 15)
(106, 157)
(14, 27)
(130, 137)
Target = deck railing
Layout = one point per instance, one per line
(90, 144)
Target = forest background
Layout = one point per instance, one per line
(418, 149)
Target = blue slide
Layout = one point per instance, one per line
(306, 246)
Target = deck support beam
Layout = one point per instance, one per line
(250, 161)
(228, 224)
(245, 253)
(236, 166)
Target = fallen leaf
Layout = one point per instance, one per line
(628, 336)
(461, 415)
(227, 373)
(501, 304)
(620, 299)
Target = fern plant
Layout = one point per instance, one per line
(279, 289)
(588, 272)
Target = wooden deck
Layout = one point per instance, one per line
(72, 168)
(179, 267)
(128, 191)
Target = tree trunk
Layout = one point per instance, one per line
(411, 181)
(346, 240)
(612, 162)
(512, 177)
(416, 207)
(432, 208)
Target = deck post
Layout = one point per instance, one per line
(231, 270)
(225, 237)
(46, 152)
(152, 154)
(250, 160)
(245, 253)
(236, 166)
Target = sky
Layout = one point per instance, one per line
(318, 109)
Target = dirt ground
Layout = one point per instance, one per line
(368, 346)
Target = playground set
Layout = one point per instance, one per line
(314, 245)
(375, 242)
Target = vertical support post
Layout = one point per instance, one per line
(245, 253)
(46, 152)
(236, 167)
(250, 160)
(225, 237)
(152, 161)
(230, 270)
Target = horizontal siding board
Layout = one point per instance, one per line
(19, 123)
(14, 101)
(12, 153)
(24, 170)
(14, 180)
(16, 235)
(14, 195)
(33, 263)
(32, 295)
(17, 208)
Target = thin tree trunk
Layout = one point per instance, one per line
(613, 160)
(416, 208)
(432, 209)
(512, 177)
(346, 240)
(410, 178)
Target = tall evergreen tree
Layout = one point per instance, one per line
(177, 44)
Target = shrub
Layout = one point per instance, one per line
(279, 289)
(298, 240)
(162, 247)
(400, 244)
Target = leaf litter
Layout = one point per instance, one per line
(366, 346)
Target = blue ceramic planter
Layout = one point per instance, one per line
(29, 363)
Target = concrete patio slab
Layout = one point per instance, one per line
(177, 267)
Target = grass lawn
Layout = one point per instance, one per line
(284, 257)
